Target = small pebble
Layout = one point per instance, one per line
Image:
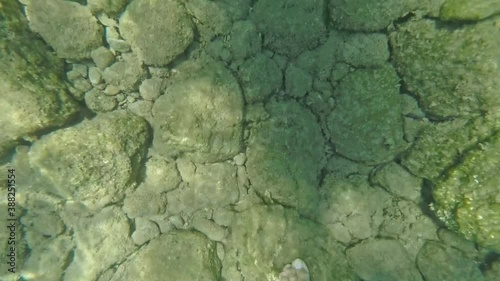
(102, 57)
(95, 75)
(111, 90)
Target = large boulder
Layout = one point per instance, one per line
(290, 26)
(266, 238)
(286, 155)
(67, 26)
(32, 98)
(178, 255)
(93, 162)
(158, 30)
(200, 116)
(467, 196)
(366, 124)
(445, 70)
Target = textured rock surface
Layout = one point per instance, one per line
(125, 73)
(290, 26)
(382, 260)
(200, 117)
(439, 262)
(57, 20)
(469, 9)
(440, 145)
(285, 156)
(179, 255)
(93, 170)
(32, 98)
(354, 209)
(287, 236)
(260, 77)
(367, 15)
(97, 250)
(445, 71)
(467, 198)
(162, 35)
(212, 19)
(366, 124)
(211, 186)
(111, 7)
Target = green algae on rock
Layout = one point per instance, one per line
(452, 70)
(467, 198)
(33, 98)
(471, 10)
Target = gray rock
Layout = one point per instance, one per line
(145, 201)
(102, 57)
(212, 19)
(145, 230)
(212, 130)
(286, 155)
(83, 165)
(95, 76)
(354, 209)
(49, 259)
(150, 89)
(111, 7)
(368, 105)
(290, 26)
(439, 262)
(57, 20)
(212, 186)
(111, 244)
(208, 227)
(190, 256)
(162, 35)
(287, 235)
(97, 101)
(82, 84)
(124, 74)
(383, 260)
(260, 77)
(398, 181)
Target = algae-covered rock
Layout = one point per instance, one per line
(367, 15)
(290, 26)
(469, 9)
(467, 198)
(200, 117)
(443, 67)
(366, 124)
(439, 146)
(212, 19)
(68, 27)
(260, 77)
(286, 155)
(32, 98)
(158, 30)
(93, 162)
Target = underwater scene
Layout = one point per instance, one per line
(250, 140)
